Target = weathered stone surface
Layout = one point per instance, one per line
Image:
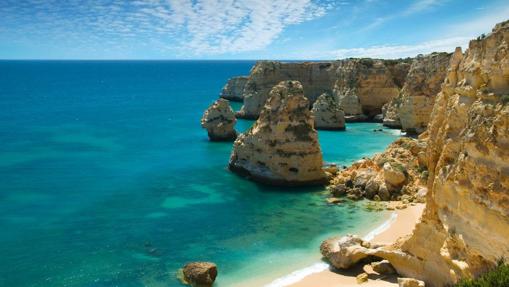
(344, 252)
(328, 114)
(383, 267)
(316, 79)
(362, 86)
(410, 282)
(465, 225)
(234, 89)
(199, 274)
(361, 278)
(281, 148)
(411, 109)
(391, 175)
(219, 121)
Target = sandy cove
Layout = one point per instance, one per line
(403, 225)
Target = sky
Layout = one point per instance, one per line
(241, 29)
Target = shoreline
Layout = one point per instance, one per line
(400, 223)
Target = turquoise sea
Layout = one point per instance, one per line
(107, 179)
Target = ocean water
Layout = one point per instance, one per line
(107, 179)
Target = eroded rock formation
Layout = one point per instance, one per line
(282, 146)
(362, 86)
(328, 114)
(411, 109)
(399, 173)
(464, 229)
(316, 79)
(198, 274)
(234, 89)
(219, 121)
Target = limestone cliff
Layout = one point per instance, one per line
(328, 114)
(281, 147)
(316, 79)
(219, 121)
(362, 86)
(465, 226)
(411, 109)
(234, 89)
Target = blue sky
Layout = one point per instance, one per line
(244, 29)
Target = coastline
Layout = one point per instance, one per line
(400, 223)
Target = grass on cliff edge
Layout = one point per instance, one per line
(499, 276)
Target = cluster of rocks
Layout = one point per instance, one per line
(399, 173)
(219, 121)
(281, 148)
(347, 251)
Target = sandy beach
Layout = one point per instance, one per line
(401, 226)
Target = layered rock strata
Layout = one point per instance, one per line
(362, 86)
(365, 85)
(411, 109)
(219, 121)
(399, 173)
(316, 79)
(464, 229)
(328, 114)
(234, 89)
(281, 148)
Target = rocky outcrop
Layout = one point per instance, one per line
(316, 78)
(219, 121)
(410, 111)
(362, 86)
(198, 274)
(328, 114)
(281, 147)
(399, 173)
(234, 89)
(464, 229)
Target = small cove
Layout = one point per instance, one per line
(108, 180)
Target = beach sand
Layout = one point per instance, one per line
(401, 226)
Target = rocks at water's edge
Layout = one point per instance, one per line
(464, 229)
(234, 89)
(281, 148)
(198, 274)
(399, 173)
(411, 109)
(328, 114)
(219, 121)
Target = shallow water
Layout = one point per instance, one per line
(107, 179)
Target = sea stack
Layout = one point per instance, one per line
(328, 114)
(219, 121)
(281, 148)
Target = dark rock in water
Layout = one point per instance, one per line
(198, 274)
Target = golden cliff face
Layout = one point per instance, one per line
(412, 108)
(316, 79)
(465, 227)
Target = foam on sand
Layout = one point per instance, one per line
(300, 274)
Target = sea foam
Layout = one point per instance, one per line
(300, 274)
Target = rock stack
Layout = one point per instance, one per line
(219, 121)
(281, 148)
(328, 114)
